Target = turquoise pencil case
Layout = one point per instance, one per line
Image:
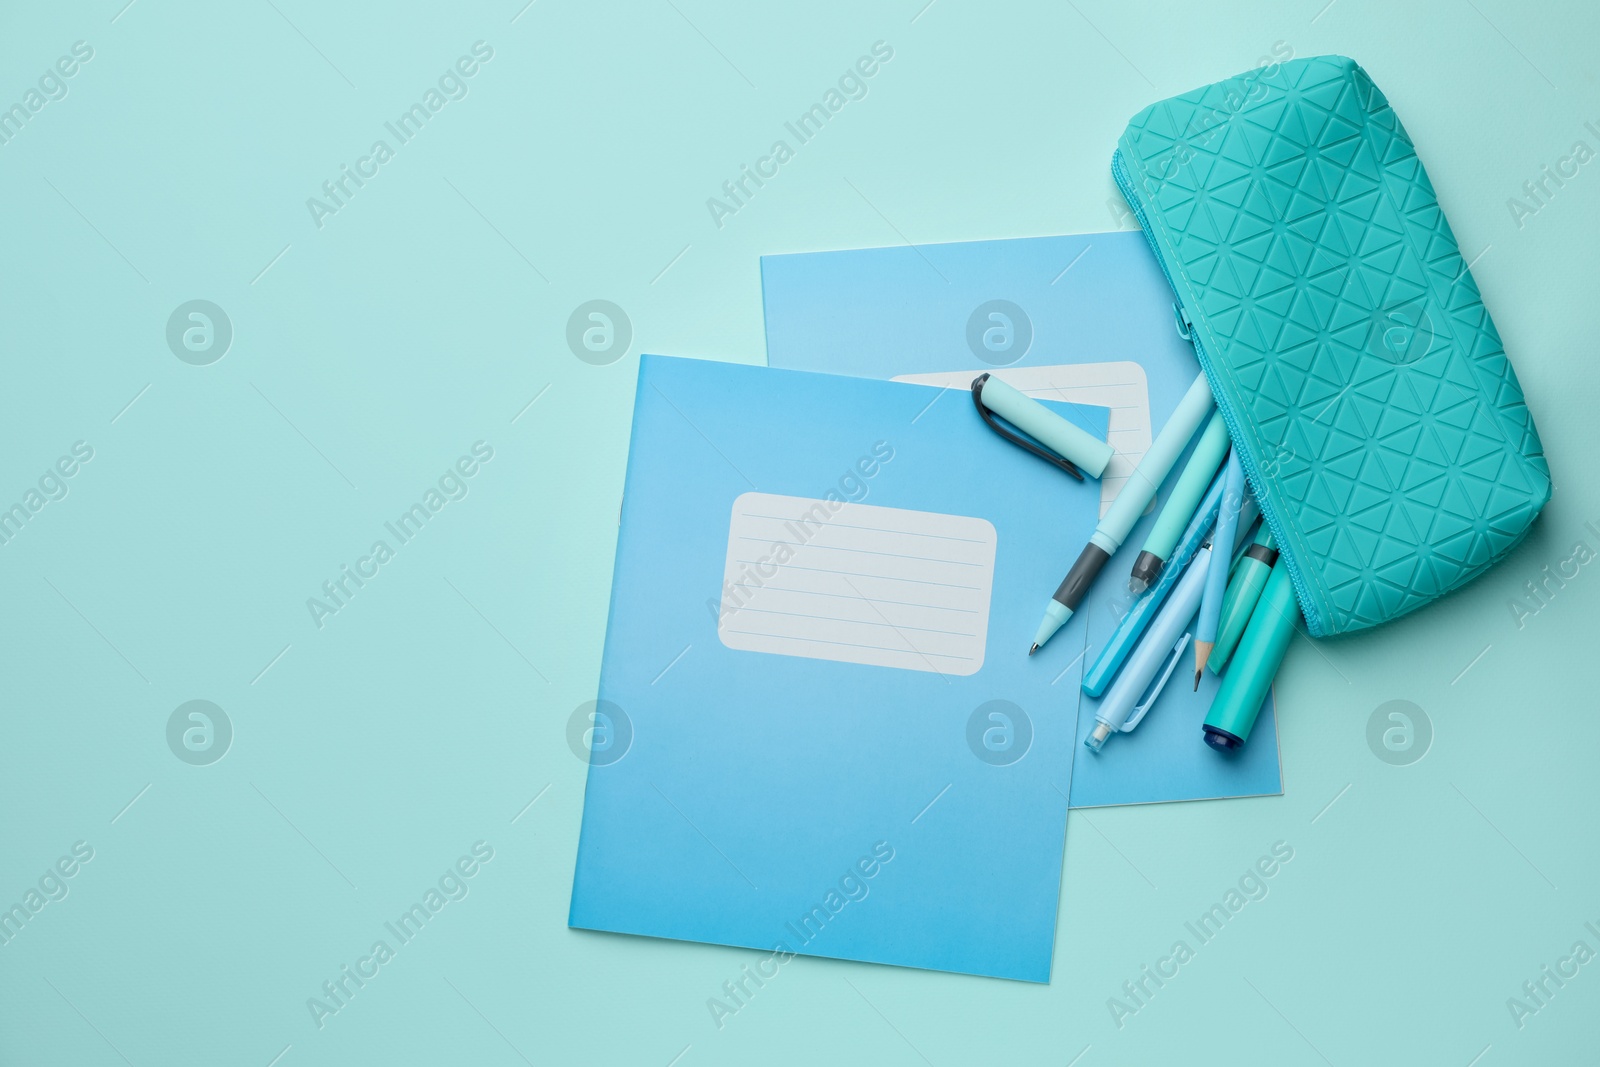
(1365, 388)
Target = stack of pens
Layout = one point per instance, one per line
(1201, 577)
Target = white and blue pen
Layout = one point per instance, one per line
(1121, 708)
(1135, 494)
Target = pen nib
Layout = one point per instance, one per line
(1032, 650)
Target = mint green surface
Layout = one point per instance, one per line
(426, 715)
(1191, 485)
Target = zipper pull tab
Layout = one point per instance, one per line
(1181, 321)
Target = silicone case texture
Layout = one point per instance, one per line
(1381, 426)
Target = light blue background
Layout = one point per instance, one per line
(368, 355)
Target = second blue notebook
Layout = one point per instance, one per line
(1084, 318)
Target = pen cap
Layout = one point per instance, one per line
(1255, 663)
(1045, 426)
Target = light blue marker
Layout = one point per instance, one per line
(1134, 497)
(1081, 450)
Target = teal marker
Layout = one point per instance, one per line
(1244, 589)
(1186, 493)
(1135, 496)
(1244, 686)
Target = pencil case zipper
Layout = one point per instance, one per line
(1253, 476)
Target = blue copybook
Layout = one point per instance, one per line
(816, 730)
(1087, 318)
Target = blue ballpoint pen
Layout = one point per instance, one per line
(1136, 492)
(1122, 709)
(1133, 624)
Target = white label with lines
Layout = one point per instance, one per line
(857, 583)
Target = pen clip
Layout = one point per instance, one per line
(1016, 438)
(1159, 684)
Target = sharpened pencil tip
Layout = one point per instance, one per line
(1202, 654)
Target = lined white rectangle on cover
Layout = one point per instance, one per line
(857, 583)
(1120, 386)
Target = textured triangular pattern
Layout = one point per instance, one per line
(1381, 424)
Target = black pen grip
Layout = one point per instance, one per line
(1081, 576)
